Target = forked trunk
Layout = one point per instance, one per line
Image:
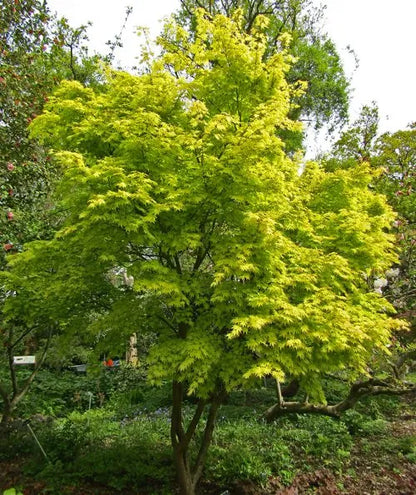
(189, 473)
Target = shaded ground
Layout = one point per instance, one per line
(374, 469)
(379, 465)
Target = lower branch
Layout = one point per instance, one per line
(9, 351)
(19, 394)
(358, 390)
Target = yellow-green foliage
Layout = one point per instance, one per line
(177, 178)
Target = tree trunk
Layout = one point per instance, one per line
(6, 413)
(132, 356)
(188, 473)
(180, 442)
(183, 472)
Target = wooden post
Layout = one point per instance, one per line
(131, 354)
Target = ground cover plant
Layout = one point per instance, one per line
(123, 446)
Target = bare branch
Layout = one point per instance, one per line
(358, 390)
(18, 397)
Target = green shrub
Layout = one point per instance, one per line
(245, 449)
(248, 449)
(381, 406)
(95, 446)
(57, 393)
(257, 398)
(324, 440)
(360, 424)
(15, 440)
(335, 390)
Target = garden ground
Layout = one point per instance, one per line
(122, 446)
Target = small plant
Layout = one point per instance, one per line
(12, 491)
(363, 425)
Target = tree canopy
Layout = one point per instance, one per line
(36, 52)
(317, 62)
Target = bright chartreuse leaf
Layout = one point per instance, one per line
(178, 181)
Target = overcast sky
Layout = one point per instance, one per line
(381, 32)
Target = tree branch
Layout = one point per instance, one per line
(9, 352)
(167, 323)
(195, 420)
(178, 264)
(177, 431)
(19, 395)
(357, 391)
(207, 437)
(24, 334)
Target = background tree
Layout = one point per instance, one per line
(240, 267)
(395, 155)
(36, 52)
(356, 143)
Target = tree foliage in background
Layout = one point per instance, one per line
(186, 218)
(36, 52)
(25, 81)
(325, 102)
(395, 155)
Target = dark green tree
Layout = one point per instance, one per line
(36, 52)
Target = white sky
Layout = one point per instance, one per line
(381, 32)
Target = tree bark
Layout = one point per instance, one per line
(358, 390)
(10, 403)
(188, 474)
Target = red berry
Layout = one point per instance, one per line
(10, 166)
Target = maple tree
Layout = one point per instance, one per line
(392, 157)
(325, 99)
(185, 217)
